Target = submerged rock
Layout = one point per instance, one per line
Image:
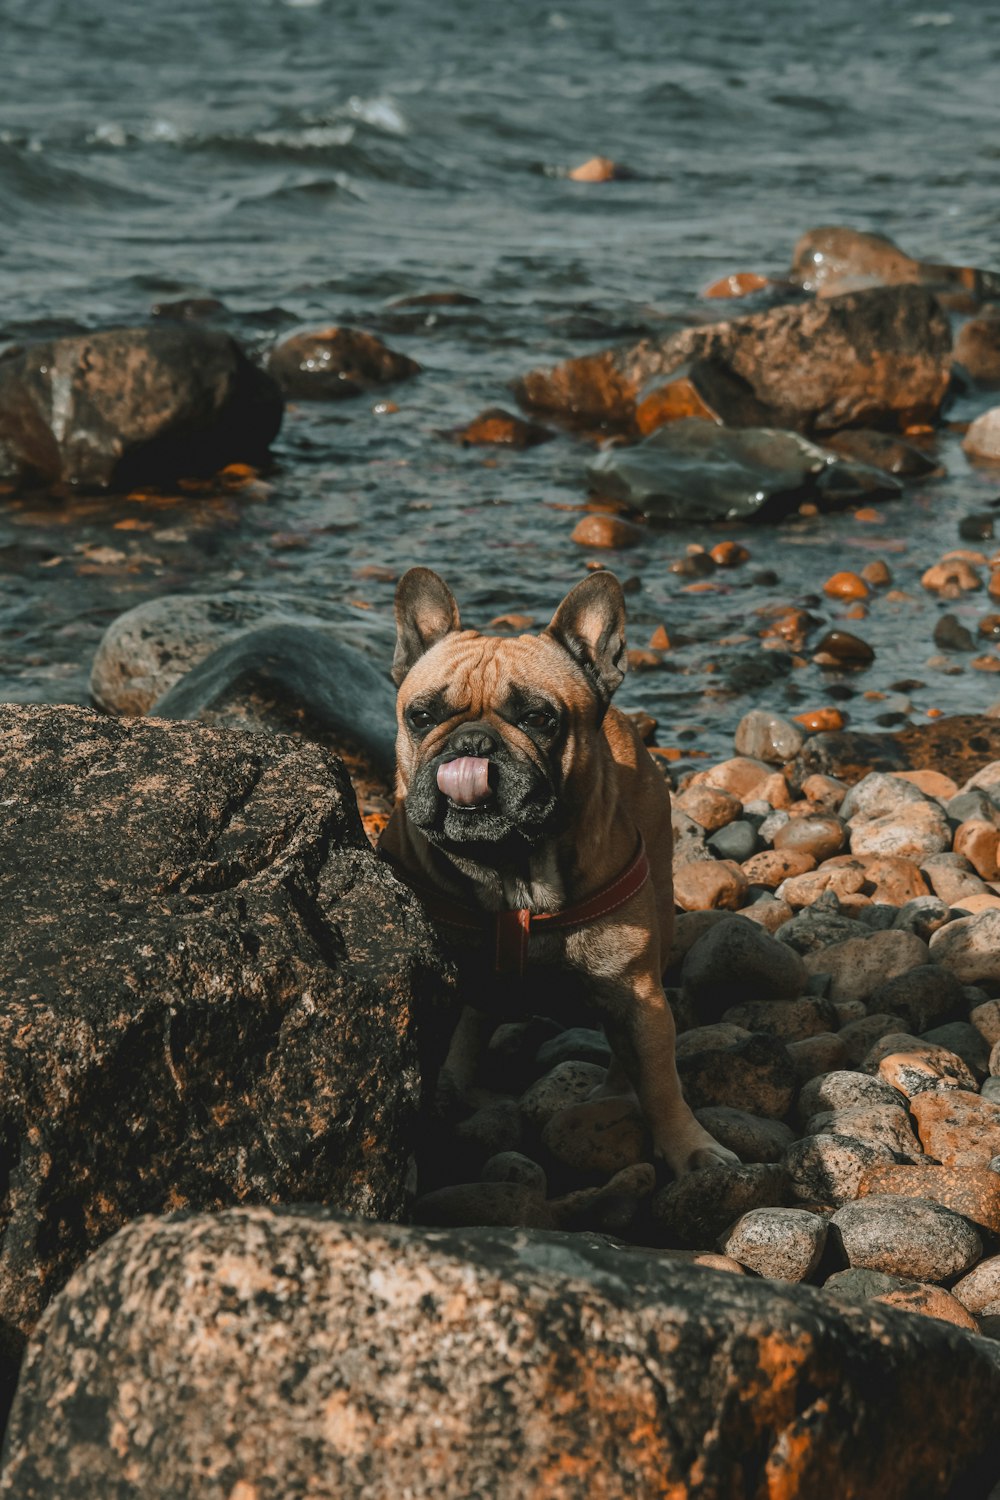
(292, 678)
(145, 651)
(106, 410)
(693, 470)
(331, 363)
(958, 746)
(451, 1363)
(208, 996)
(878, 358)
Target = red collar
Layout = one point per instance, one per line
(513, 928)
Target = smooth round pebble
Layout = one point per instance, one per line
(785, 1244)
(906, 1237)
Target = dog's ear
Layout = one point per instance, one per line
(425, 612)
(590, 625)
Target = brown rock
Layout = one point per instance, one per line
(986, 1019)
(821, 837)
(913, 1066)
(951, 578)
(977, 349)
(772, 866)
(754, 1073)
(931, 782)
(211, 1317)
(825, 791)
(741, 775)
(973, 1192)
(598, 169)
(877, 574)
(790, 1019)
(802, 890)
(802, 360)
(885, 451)
(861, 1035)
(913, 833)
(331, 363)
(979, 842)
(702, 884)
(606, 531)
(956, 746)
(785, 1244)
(596, 1138)
(846, 586)
(930, 1302)
(839, 648)
(496, 427)
(113, 408)
(828, 1168)
(709, 806)
(566, 1084)
(834, 256)
(737, 284)
(706, 389)
(817, 720)
(217, 982)
(958, 1129)
(729, 554)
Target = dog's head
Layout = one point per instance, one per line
(493, 733)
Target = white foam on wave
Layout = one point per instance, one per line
(310, 137)
(932, 18)
(382, 112)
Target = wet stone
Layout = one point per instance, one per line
(333, 363)
(767, 736)
(906, 1237)
(820, 837)
(701, 884)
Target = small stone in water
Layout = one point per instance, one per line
(951, 635)
(840, 648)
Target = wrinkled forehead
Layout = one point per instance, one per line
(466, 669)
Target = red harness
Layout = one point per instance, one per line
(512, 929)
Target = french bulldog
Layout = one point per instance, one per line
(532, 820)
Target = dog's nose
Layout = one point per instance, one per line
(474, 739)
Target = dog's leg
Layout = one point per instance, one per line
(458, 1071)
(640, 1028)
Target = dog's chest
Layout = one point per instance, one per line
(542, 890)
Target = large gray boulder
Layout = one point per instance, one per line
(208, 988)
(262, 1355)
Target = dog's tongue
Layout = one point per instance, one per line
(466, 780)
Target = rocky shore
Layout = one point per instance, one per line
(245, 1253)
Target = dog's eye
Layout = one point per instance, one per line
(539, 718)
(420, 718)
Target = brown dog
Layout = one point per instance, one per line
(522, 798)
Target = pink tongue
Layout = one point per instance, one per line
(466, 781)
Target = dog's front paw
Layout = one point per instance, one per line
(694, 1148)
(710, 1156)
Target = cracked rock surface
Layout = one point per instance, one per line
(208, 985)
(266, 1354)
